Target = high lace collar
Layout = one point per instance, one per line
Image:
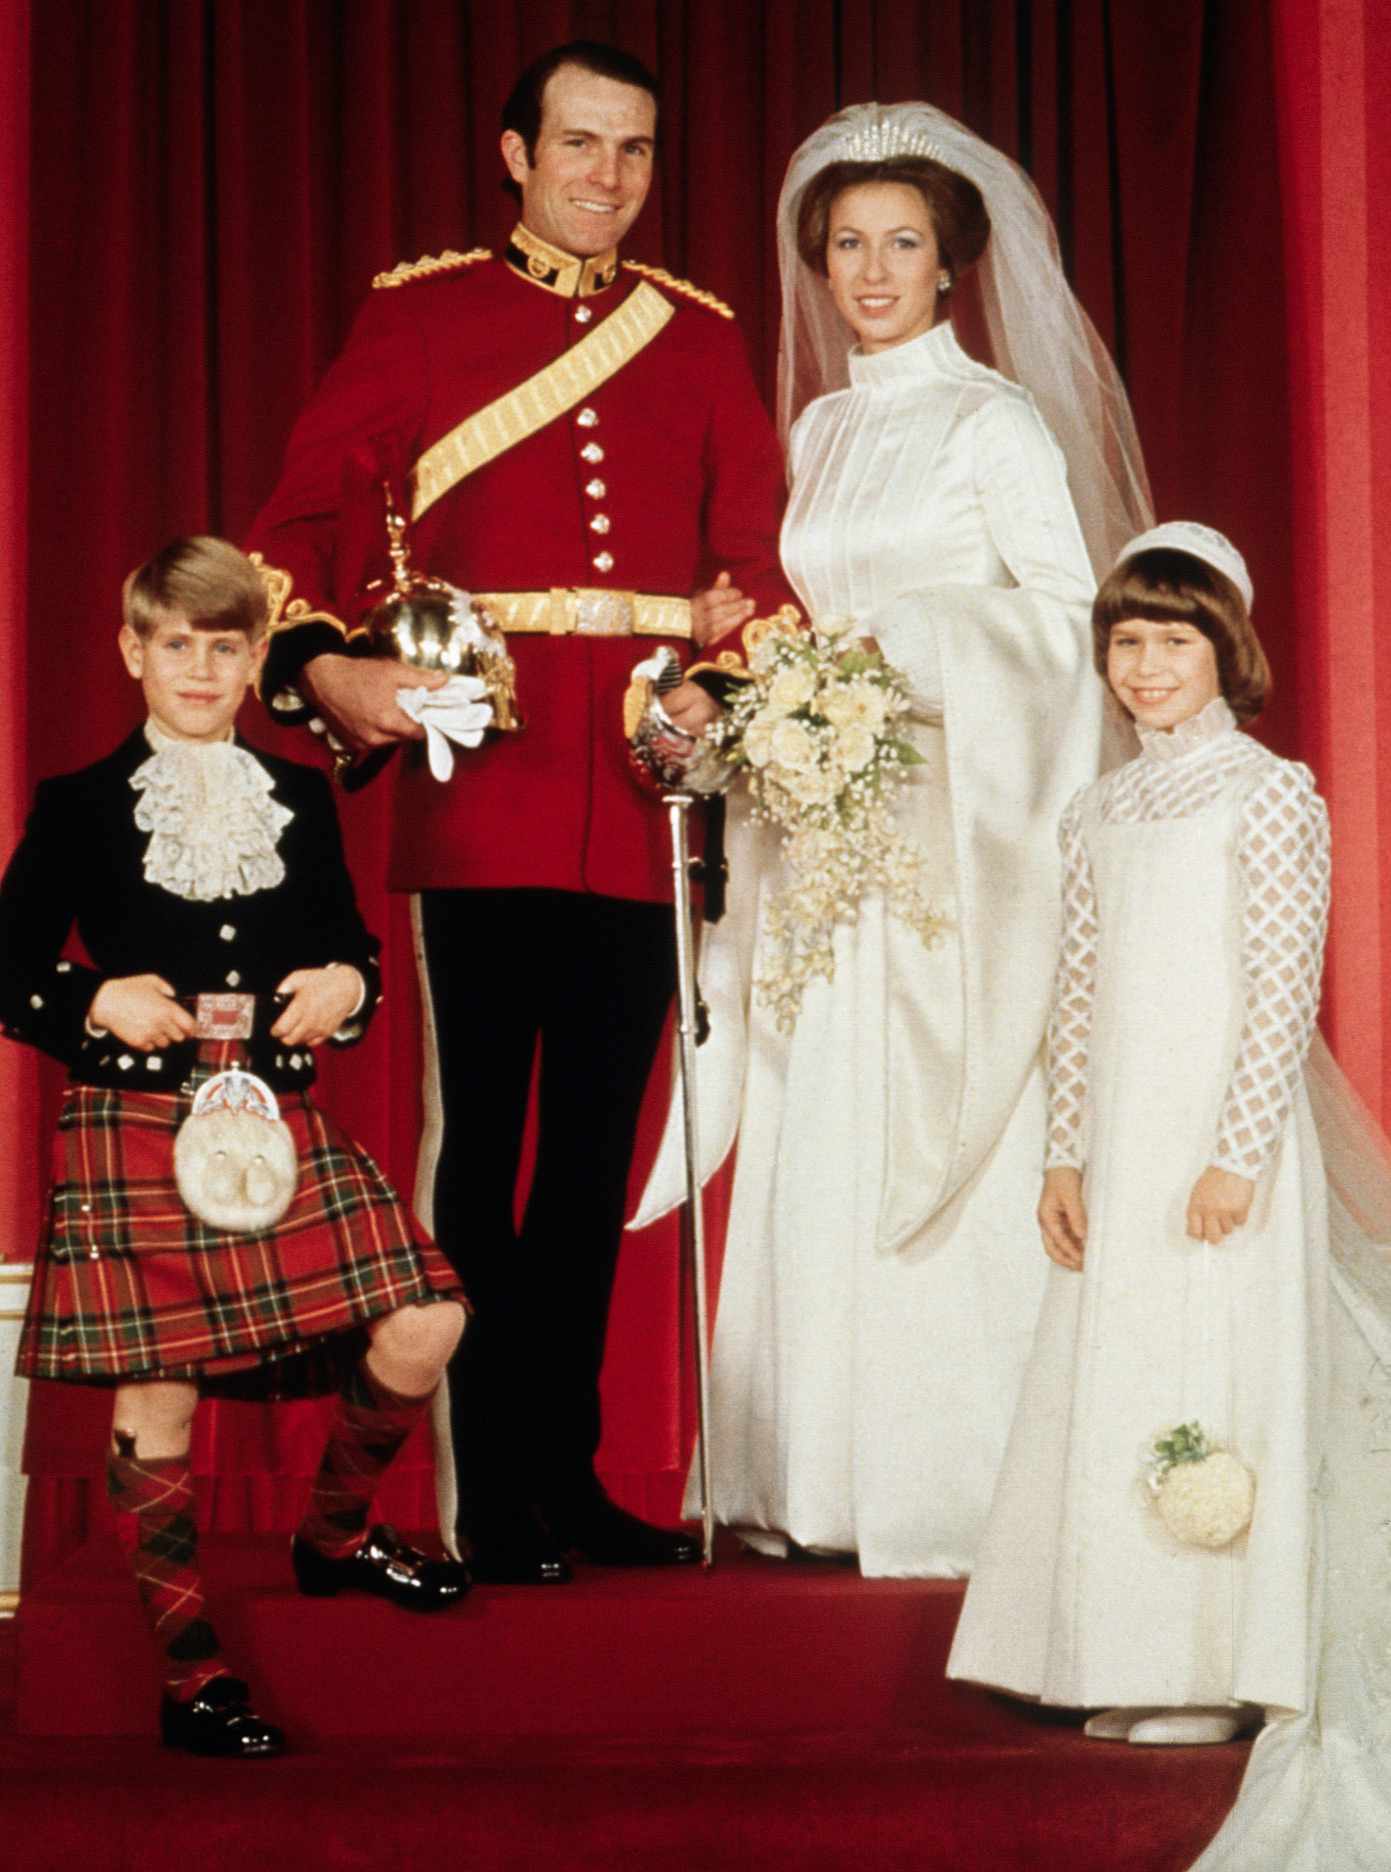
(1200, 731)
(932, 353)
(212, 822)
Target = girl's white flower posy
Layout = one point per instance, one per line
(1205, 1495)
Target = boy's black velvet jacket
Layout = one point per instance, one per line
(81, 861)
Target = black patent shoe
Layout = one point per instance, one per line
(385, 1565)
(601, 1531)
(219, 1721)
(513, 1549)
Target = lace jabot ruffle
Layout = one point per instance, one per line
(212, 823)
(1199, 731)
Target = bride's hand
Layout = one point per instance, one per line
(719, 610)
(1062, 1215)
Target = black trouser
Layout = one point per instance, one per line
(590, 978)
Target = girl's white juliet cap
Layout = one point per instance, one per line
(1199, 542)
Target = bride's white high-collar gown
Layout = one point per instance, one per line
(883, 1270)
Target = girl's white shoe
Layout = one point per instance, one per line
(1171, 1728)
(1189, 1728)
(1114, 1725)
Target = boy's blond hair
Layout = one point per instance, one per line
(207, 582)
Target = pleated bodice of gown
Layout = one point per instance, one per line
(924, 473)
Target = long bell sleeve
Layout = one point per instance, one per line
(1020, 481)
(1070, 1016)
(1283, 854)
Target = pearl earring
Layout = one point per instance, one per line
(944, 282)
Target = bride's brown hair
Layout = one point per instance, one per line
(1166, 584)
(959, 216)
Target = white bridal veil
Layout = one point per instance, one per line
(1039, 334)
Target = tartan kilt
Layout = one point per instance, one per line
(128, 1284)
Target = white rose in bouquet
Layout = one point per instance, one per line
(758, 742)
(854, 747)
(856, 703)
(811, 786)
(794, 747)
(792, 688)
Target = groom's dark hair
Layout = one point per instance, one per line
(526, 101)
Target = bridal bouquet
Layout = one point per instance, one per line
(1204, 1494)
(818, 735)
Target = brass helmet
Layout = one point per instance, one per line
(433, 625)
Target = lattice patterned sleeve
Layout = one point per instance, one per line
(1070, 1018)
(1282, 849)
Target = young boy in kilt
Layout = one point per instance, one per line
(208, 885)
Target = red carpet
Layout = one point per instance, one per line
(764, 1715)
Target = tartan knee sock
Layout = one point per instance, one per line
(157, 1494)
(369, 1427)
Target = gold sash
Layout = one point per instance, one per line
(576, 374)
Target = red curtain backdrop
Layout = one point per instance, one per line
(210, 189)
(18, 1073)
(1334, 71)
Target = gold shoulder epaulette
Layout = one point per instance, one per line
(684, 287)
(430, 266)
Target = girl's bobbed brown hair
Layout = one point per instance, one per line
(1166, 584)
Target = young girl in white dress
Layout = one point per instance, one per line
(1187, 1210)
(1182, 1176)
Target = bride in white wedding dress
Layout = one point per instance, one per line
(881, 1276)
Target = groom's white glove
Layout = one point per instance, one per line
(458, 712)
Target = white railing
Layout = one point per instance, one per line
(14, 1292)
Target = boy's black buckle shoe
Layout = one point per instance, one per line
(385, 1565)
(218, 1721)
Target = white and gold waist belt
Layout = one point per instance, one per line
(587, 611)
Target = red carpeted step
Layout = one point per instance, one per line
(765, 1716)
(754, 1646)
(127, 1806)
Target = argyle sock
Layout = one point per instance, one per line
(369, 1427)
(161, 1540)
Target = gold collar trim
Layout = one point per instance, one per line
(559, 272)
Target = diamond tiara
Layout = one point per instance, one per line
(880, 140)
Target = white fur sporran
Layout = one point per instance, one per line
(234, 1157)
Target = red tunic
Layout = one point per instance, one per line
(675, 452)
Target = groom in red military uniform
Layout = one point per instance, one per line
(581, 446)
